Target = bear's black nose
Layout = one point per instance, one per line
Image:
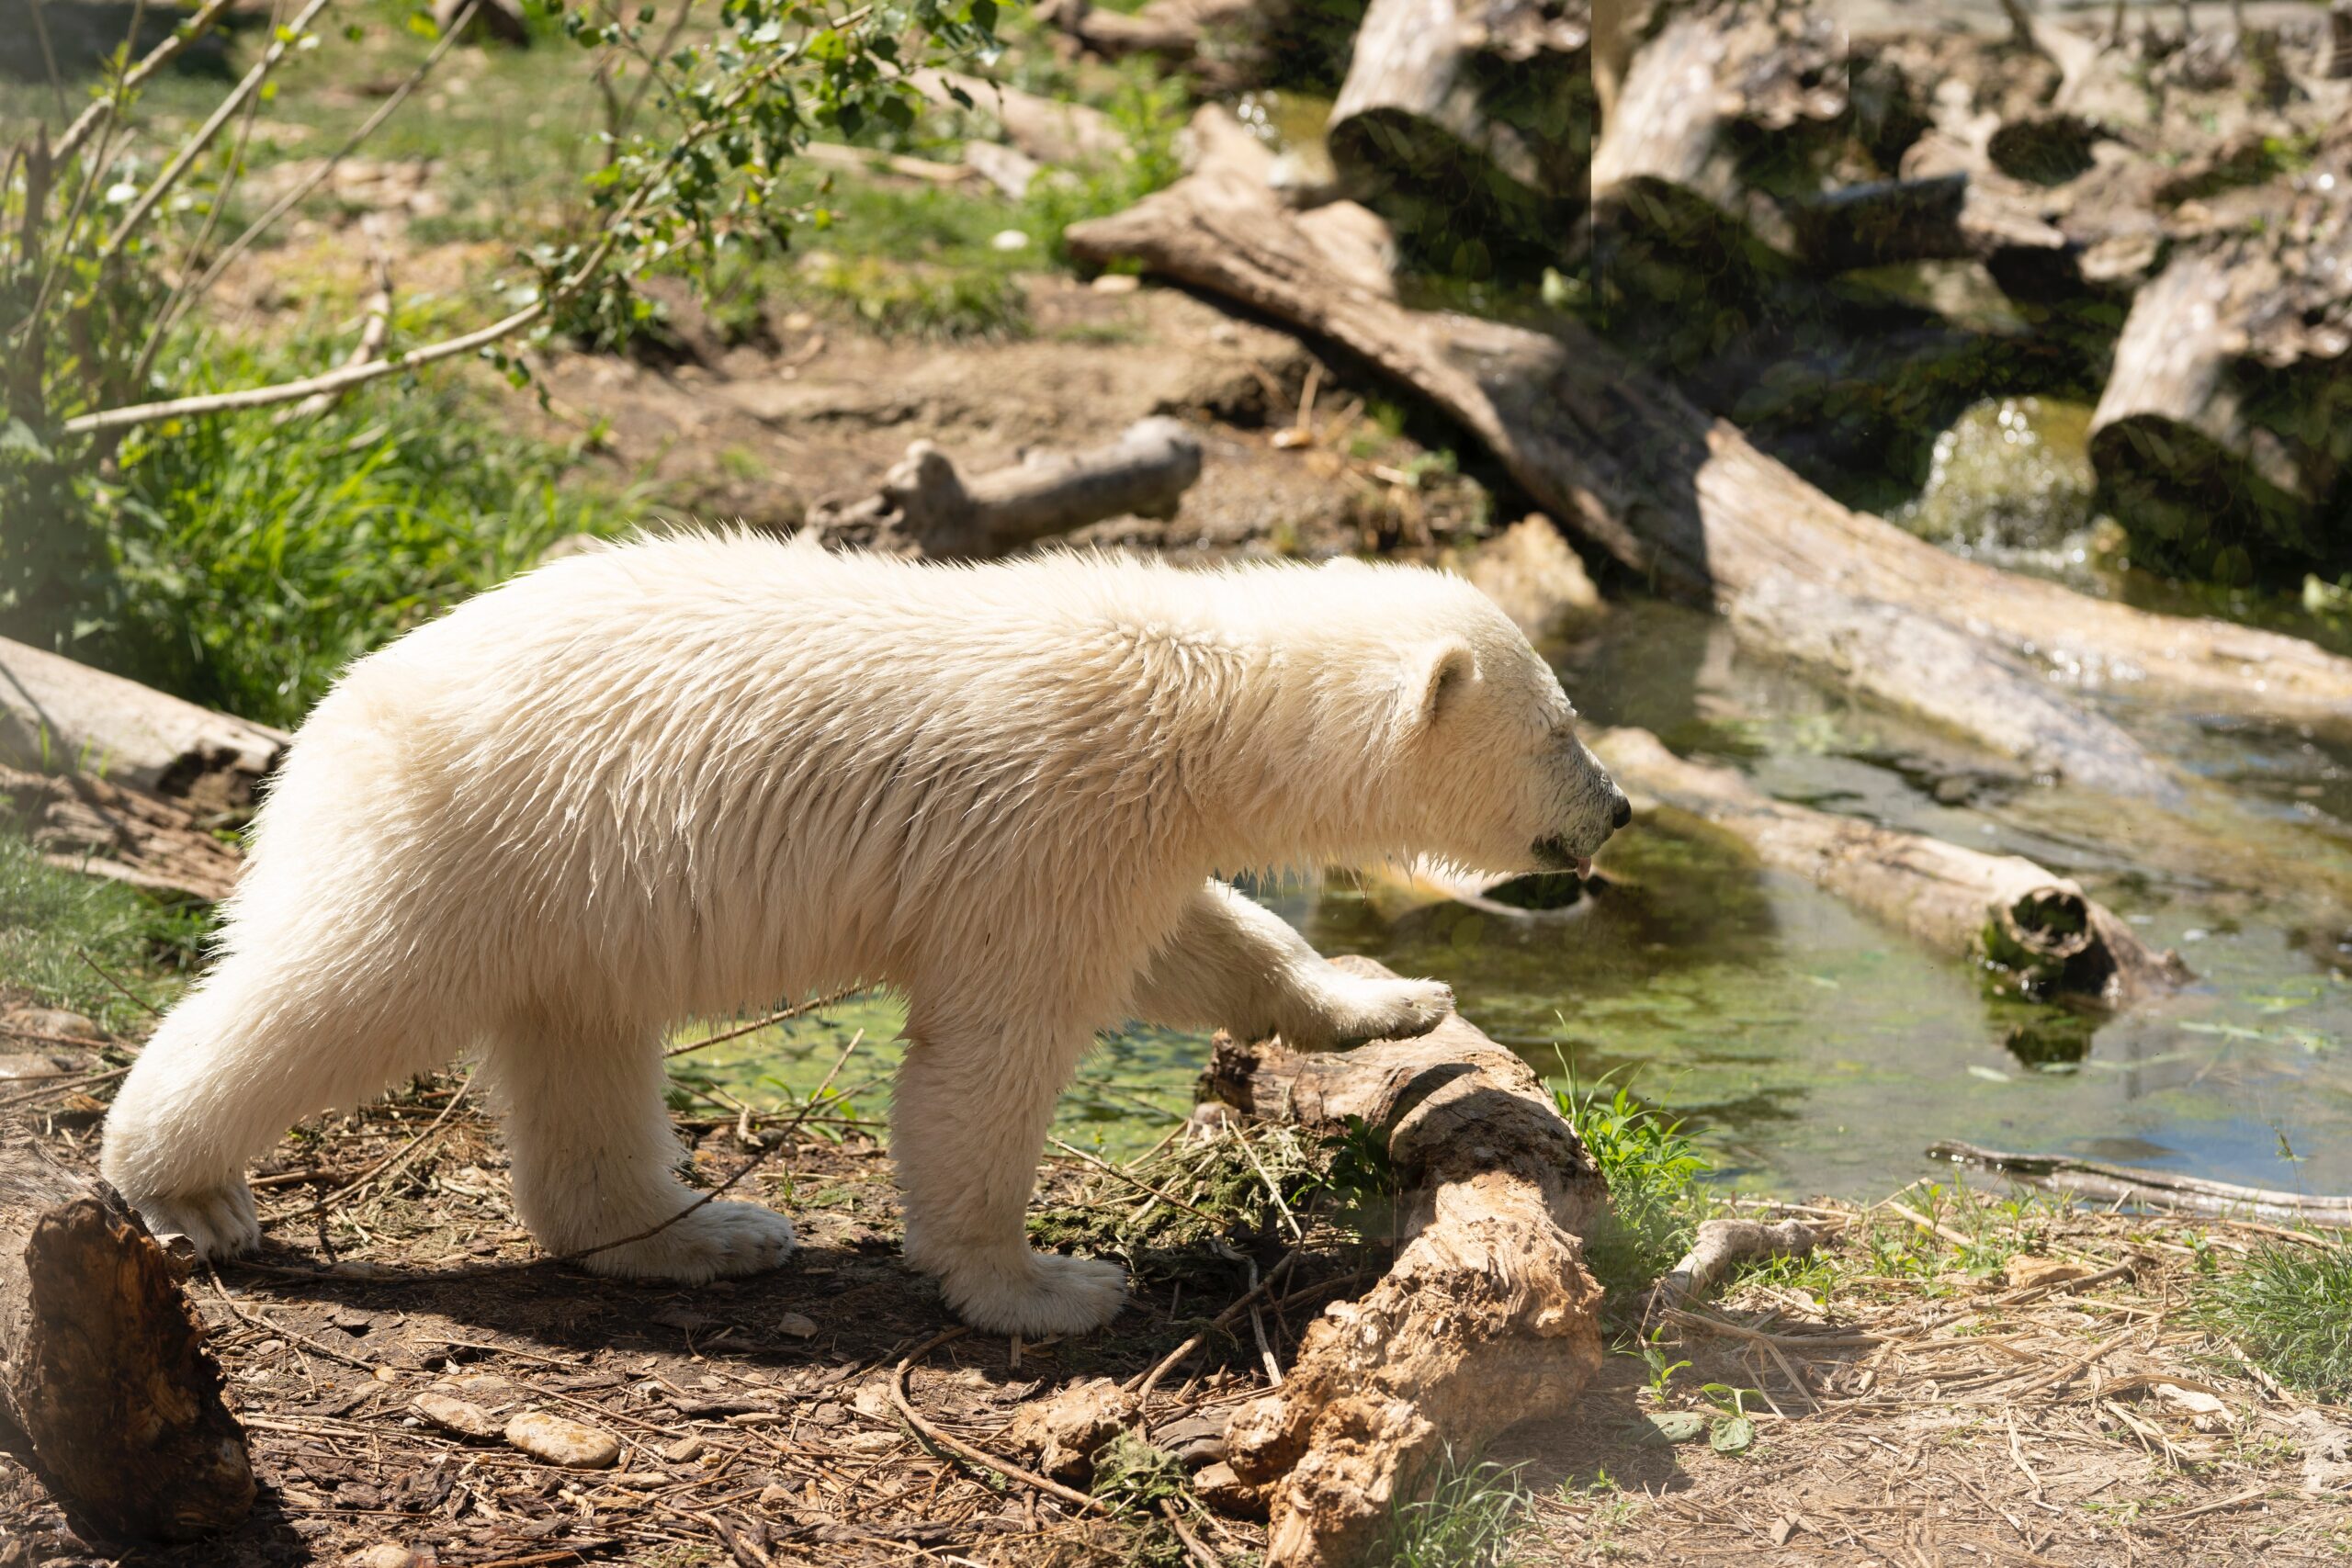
(1623, 814)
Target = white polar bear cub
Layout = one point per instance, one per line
(685, 775)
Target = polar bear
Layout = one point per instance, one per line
(688, 774)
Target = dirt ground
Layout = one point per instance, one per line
(1910, 1406)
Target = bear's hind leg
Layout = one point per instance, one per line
(968, 1120)
(595, 1160)
(253, 1049)
(1232, 963)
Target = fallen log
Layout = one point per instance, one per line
(102, 1362)
(56, 715)
(1631, 467)
(1487, 1316)
(1940, 673)
(2040, 932)
(124, 834)
(1467, 116)
(1049, 131)
(1179, 31)
(2158, 1190)
(926, 507)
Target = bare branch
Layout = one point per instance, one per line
(163, 54)
(193, 148)
(374, 328)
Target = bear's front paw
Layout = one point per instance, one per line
(221, 1223)
(717, 1241)
(1036, 1294)
(1351, 1011)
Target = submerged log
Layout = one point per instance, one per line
(1940, 673)
(925, 507)
(2160, 1190)
(1628, 464)
(102, 1362)
(2041, 930)
(56, 715)
(1488, 1314)
(1463, 117)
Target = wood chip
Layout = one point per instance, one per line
(560, 1441)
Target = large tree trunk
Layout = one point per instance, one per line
(1467, 116)
(102, 1363)
(1487, 1316)
(2000, 910)
(56, 715)
(926, 508)
(1633, 468)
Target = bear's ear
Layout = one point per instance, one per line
(1436, 677)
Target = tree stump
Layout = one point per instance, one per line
(1486, 1318)
(102, 1362)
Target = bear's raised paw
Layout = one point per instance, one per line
(1349, 1011)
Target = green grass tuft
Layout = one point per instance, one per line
(2291, 1309)
(1655, 1192)
(251, 560)
(1468, 1520)
(55, 924)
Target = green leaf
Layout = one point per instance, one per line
(1677, 1426)
(1733, 1435)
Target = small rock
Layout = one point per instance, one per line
(351, 1320)
(1065, 1431)
(830, 1414)
(685, 1451)
(561, 1441)
(1008, 240)
(2205, 1413)
(1536, 579)
(386, 1374)
(55, 1022)
(391, 1555)
(466, 1419)
(1219, 1488)
(1118, 283)
(482, 1388)
(797, 1325)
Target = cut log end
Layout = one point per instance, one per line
(103, 1367)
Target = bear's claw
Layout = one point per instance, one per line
(220, 1222)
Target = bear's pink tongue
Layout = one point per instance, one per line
(1584, 866)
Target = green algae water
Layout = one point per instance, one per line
(1810, 1049)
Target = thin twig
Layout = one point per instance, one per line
(1192, 1547)
(163, 54)
(1225, 1319)
(779, 1016)
(1136, 1181)
(956, 1446)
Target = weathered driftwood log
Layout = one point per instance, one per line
(102, 1362)
(56, 715)
(1721, 1247)
(1459, 117)
(2224, 439)
(2041, 930)
(1940, 673)
(2151, 1189)
(89, 825)
(926, 507)
(1049, 132)
(1629, 466)
(1487, 1316)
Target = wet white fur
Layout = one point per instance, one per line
(692, 774)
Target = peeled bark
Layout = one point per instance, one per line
(1628, 464)
(102, 1362)
(1486, 1318)
(88, 825)
(1459, 116)
(925, 507)
(2003, 912)
(57, 714)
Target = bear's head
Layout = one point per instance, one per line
(1485, 767)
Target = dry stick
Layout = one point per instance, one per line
(66, 1087)
(1225, 1319)
(954, 1445)
(779, 1016)
(254, 1320)
(1136, 1181)
(134, 997)
(1198, 1553)
(163, 54)
(193, 148)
